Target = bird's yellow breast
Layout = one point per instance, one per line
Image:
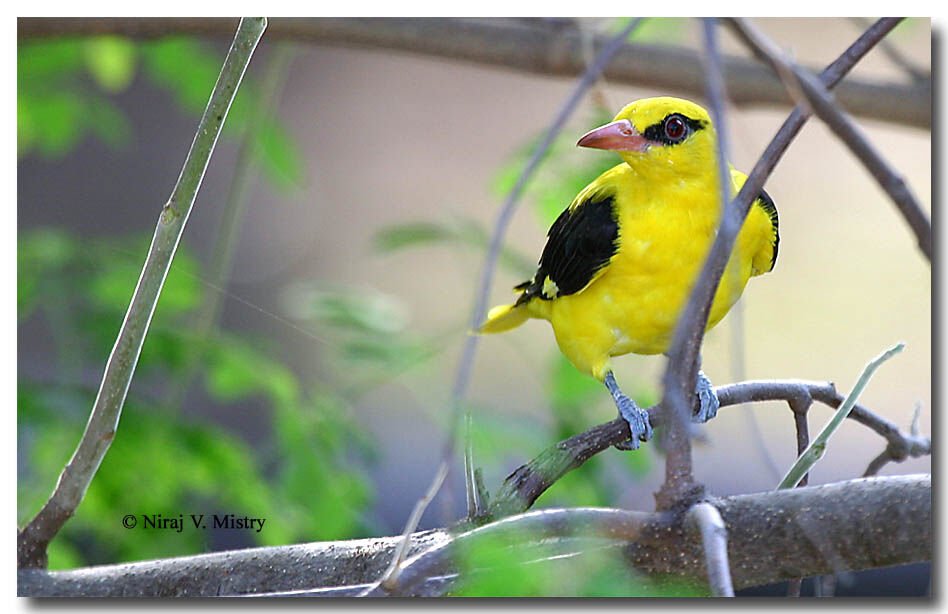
(665, 231)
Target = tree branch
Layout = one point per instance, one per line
(800, 406)
(706, 518)
(870, 522)
(518, 531)
(821, 102)
(33, 539)
(914, 72)
(522, 487)
(816, 448)
(529, 45)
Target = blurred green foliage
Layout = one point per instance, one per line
(307, 477)
(661, 30)
(462, 231)
(55, 107)
(491, 566)
(66, 90)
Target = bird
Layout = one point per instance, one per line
(620, 261)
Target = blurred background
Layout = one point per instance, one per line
(300, 362)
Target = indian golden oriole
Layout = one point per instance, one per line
(620, 261)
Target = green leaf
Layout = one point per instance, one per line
(41, 253)
(54, 123)
(491, 567)
(411, 234)
(108, 122)
(662, 30)
(495, 435)
(389, 353)
(461, 231)
(237, 370)
(314, 441)
(111, 61)
(571, 389)
(363, 311)
(563, 174)
(26, 129)
(112, 287)
(185, 67)
(45, 61)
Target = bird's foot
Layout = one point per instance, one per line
(629, 411)
(707, 398)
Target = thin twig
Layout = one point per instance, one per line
(465, 365)
(800, 405)
(893, 452)
(817, 447)
(390, 577)
(222, 255)
(33, 539)
(714, 539)
(738, 353)
(822, 104)
(914, 72)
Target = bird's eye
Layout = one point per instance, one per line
(675, 128)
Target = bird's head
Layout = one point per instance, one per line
(653, 134)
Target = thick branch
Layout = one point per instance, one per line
(518, 531)
(536, 46)
(869, 523)
(33, 539)
(238, 572)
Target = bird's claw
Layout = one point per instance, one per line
(639, 424)
(636, 417)
(707, 398)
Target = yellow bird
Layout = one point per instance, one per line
(620, 261)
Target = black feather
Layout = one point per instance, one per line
(765, 202)
(580, 242)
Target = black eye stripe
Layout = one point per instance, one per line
(656, 132)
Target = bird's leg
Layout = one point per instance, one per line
(707, 398)
(631, 413)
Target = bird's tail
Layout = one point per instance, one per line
(503, 318)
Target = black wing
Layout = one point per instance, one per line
(765, 202)
(580, 243)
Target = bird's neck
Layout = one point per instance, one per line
(678, 185)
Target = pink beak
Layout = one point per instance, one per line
(620, 135)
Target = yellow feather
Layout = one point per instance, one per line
(668, 208)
